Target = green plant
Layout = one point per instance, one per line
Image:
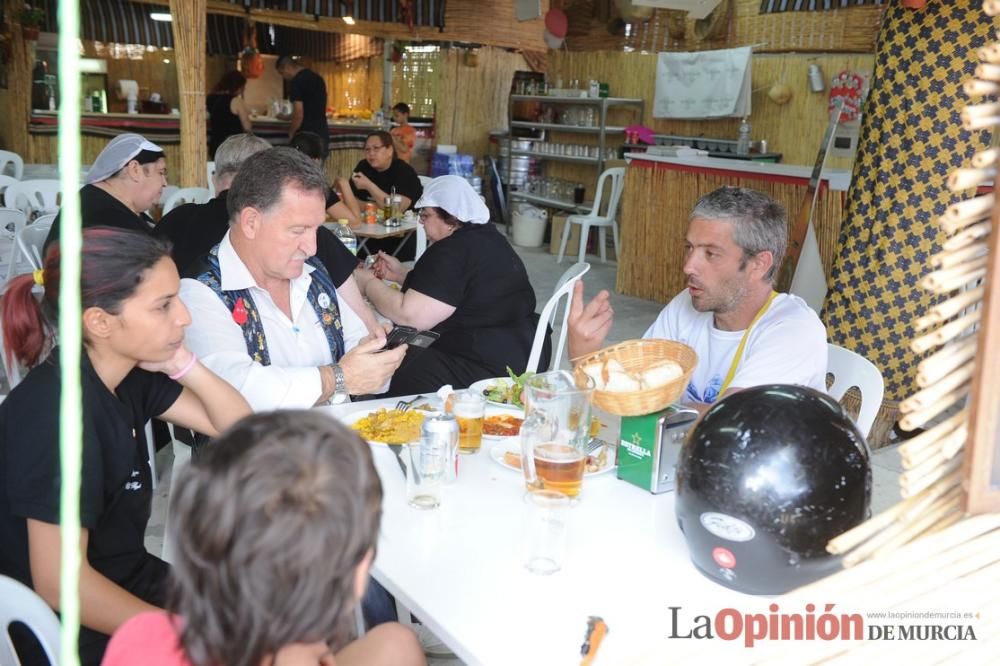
(32, 17)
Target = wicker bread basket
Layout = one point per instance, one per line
(635, 356)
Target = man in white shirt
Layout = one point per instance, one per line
(736, 239)
(265, 314)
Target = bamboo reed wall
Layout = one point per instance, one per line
(853, 29)
(16, 98)
(473, 100)
(655, 208)
(794, 129)
(189, 29)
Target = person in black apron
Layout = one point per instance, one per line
(134, 366)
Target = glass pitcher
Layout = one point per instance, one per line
(555, 432)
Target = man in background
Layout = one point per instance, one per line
(404, 136)
(308, 95)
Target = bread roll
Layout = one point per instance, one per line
(660, 374)
(595, 371)
(613, 365)
(621, 381)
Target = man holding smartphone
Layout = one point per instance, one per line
(265, 314)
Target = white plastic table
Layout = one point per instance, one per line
(458, 567)
(367, 231)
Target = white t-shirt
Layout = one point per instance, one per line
(787, 345)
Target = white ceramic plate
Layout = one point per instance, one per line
(354, 417)
(483, 384)
(514, 444)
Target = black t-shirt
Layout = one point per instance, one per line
(100, 209)
(476, 271)
(309, 88)
(116, 494)
(222, 122)
(399, 175)
(194, 229)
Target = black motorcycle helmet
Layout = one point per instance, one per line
(764, 481)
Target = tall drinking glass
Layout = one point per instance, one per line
(555, 432)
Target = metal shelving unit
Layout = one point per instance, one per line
(601, 130)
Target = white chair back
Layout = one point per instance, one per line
(19, 603)
(11, 221)
(45, 219)
(614, 179)
(563, 291)
(185, 195)
(13, 160)
(30, 241)
(168, 191)
(34, 196)
(850, 370)
(5, 182)
(211, 179)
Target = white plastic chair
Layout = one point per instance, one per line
(182, 459)
(28, 245)
(616, 176)
(850, 370)
(19, 603)
(7, 158)
(185, 195)
(211, 179)
(34, 196)
(5, 182)
(12, 221)
(564, 289)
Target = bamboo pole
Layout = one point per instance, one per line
(189, 49)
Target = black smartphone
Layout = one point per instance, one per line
(410, 336)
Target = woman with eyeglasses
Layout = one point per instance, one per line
(375, 176)
(469, 286)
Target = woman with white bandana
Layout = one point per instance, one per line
(469, 286)
(126, 179)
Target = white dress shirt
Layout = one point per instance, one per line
(297, 347)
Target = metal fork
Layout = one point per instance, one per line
(593, 445)
(405, 405)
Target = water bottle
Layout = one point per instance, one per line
(346, 236)
(743, 142)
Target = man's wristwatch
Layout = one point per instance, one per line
(339, 385)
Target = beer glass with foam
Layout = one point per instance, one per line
(469, 407)
(555, 432)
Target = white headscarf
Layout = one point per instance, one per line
(119, 152)
(454, 195)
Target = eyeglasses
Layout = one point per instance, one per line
(373, 149)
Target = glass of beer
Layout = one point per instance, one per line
(469, 407)
(555, 432)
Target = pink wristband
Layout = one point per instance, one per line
(186, 369)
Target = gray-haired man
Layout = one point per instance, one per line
(745, 334)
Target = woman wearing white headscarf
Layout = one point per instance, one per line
(469, 286)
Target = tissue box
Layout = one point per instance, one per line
(648, 447)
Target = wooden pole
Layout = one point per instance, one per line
(189, 49)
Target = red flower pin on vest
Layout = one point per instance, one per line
(240, 312)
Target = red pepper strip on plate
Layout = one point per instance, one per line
(597, 629)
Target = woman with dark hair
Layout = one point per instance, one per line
(275, 529)
(469, 286)
(376, 176)
(134, 367)
(227, 111)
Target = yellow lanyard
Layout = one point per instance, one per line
(743, 343)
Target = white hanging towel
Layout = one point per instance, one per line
(809, 281)
(703, 84)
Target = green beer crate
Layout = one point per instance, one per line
(648, 446)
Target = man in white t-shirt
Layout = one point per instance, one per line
(735, 241)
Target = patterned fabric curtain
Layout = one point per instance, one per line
(911, 139)
(774, 6)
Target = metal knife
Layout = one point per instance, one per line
(397, 449)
